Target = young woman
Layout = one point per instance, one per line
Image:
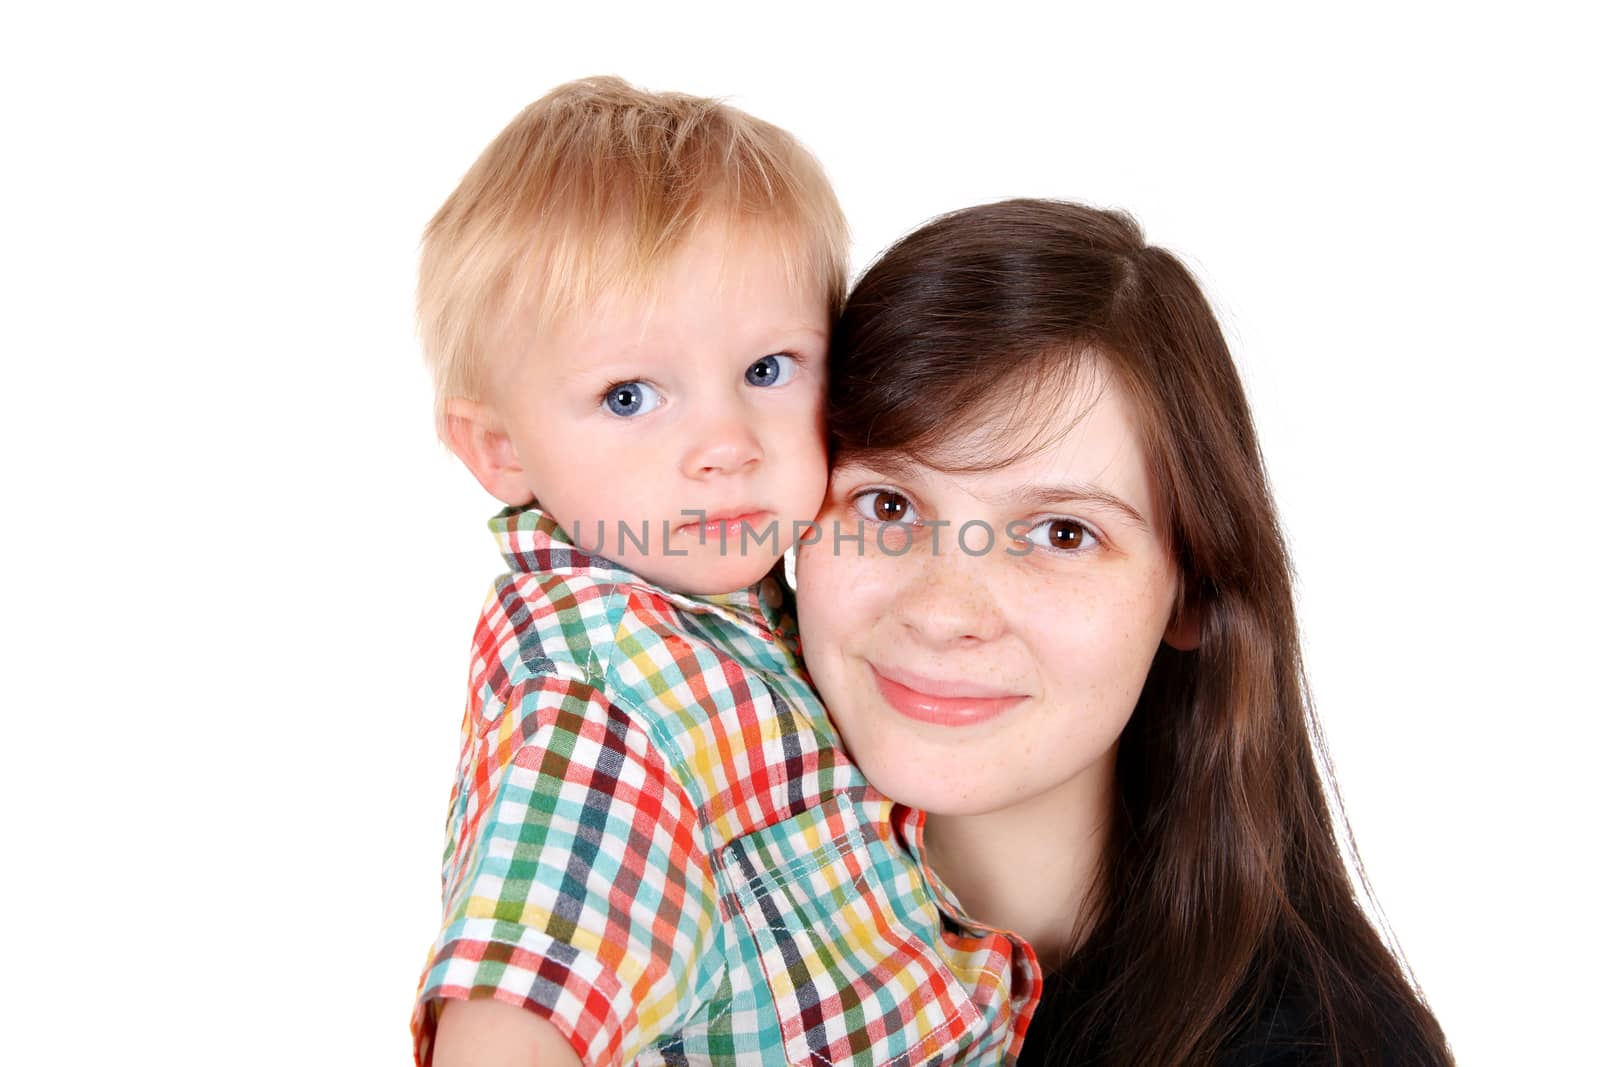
(1059, 622)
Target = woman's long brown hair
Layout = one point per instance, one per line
(1224, 885)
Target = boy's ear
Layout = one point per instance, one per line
(1183, 631)
(475, 434)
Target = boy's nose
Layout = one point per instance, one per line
(725, 446)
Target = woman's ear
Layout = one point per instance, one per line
(478, 438)
(1183, 631)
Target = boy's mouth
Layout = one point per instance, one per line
(722, 525)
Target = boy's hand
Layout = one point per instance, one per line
(489, 1033)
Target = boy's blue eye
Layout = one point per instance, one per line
(776, 369)
(631, 398)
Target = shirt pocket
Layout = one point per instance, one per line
(853, 982)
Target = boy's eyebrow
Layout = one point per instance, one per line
(623, 351)
(780, 334)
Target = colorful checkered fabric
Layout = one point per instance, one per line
(656, 842)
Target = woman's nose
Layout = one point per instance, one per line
(722, 446)
(949, 600)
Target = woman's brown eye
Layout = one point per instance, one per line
(1065, 534)
(889, 507)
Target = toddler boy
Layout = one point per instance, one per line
(658, 852)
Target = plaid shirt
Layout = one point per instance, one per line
(656, 842)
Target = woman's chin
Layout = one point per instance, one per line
(938, 782)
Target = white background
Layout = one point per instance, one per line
(240, 576)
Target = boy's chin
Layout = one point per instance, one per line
(703, 576)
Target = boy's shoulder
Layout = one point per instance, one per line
(558, 607)
(711, 684)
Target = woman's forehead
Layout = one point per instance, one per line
(1024, 445)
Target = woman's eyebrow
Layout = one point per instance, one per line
(1035, 497)
(887, 468)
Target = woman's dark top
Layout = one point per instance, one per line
(1288, 1029)
(1285, 1034)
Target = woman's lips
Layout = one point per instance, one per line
(950, 703)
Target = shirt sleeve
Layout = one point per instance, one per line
(576, 884)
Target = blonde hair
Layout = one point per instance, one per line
(591, 189)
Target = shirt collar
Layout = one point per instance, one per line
(909, 826)
(1027, 975)
(531, 540)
